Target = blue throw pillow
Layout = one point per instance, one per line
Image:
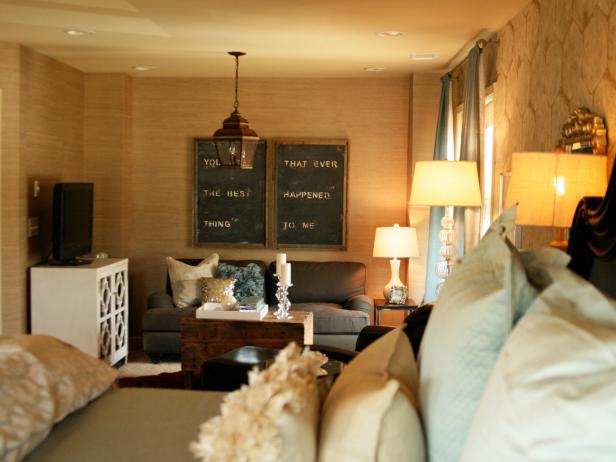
(249, 281)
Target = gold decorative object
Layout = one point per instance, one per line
(584, 132)
(214, 290)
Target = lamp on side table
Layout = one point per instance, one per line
(547, 187)
(395, 242)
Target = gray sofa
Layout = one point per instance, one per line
(335, 293)
(332, 291)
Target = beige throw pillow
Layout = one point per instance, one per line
(274, 418)
(552, 394)
(41, 381)
(476, 310)
(185, 279)
(370, 414)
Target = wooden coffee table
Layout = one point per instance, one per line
(203, 339)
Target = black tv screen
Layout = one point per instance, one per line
(73, 204)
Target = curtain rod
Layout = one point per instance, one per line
(482, 43)
(482, 40)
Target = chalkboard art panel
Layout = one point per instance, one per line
(310, 194)
(230, 203)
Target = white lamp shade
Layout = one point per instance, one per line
(547, 186)
(395, 242)
(446, 183)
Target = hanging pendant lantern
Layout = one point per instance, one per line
(236, 143)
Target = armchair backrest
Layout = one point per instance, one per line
(326, 282)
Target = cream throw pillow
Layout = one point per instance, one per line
(185, 279)
(41, 381)
(552, 394)
(274, 418)
(370, 414)
(475, 312)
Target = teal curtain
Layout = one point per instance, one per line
(436, 213)
(468, 220)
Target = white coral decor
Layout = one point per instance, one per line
(247, 429)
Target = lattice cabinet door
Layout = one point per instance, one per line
(86, 306)
(112, 304)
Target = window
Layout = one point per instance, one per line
(487, 157)
(487, 162)
(458, 132)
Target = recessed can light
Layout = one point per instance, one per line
(390, 33)
(78, 32)
(374, 69)
(143, 68)
(424, 56)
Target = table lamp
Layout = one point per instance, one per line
(547, 187)
(395, 242)
(448, 184)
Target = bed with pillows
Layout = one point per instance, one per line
(517, 363)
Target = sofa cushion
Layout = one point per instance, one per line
(468, 326)
(185, 279)
(551, 396)
(217, 290)
(241, 263)
(331, 282)
(330, 318)
(249, 279)
(165, 319)
(131, 424)
(371, 412)
(415, 325)
(42, 380)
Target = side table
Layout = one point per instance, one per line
(381, 304)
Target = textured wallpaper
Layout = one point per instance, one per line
(554, 56)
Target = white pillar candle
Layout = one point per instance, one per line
(285, 274)
(281, 259)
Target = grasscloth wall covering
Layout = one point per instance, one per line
(42, 139)
(12, 291)
(168, 113)
(554, 56)
(107, 150)
(425, 94)
(135, 136)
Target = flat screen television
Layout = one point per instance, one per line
(73, 205)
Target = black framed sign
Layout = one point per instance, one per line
(229, 202)
(310, 194)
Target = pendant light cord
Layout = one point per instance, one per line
(236, 104)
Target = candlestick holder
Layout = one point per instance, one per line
(282, 294)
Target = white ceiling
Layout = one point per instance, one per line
(282, 38)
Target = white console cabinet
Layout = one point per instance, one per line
(86, 306)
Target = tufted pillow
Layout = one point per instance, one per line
(249, 281)
(473, 317)
(552, 394)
